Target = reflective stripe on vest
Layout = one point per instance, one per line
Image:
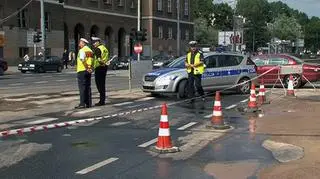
(88, 59)
(198, 70)
(104, 56)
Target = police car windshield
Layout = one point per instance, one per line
(177, 63)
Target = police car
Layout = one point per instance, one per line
(223, 70)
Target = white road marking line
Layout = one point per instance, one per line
(119, 123)
(96, 166)
(146, 144)
(145, 99)
(124, 103)
(41, 82)
(88, 111)
(61, 80)
(42, 121)
(243, 101)
(208, 116)
(16, 84)
(47, 76)
(232, 106)
(186, 126)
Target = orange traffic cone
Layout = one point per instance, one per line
(164, 144)
(217, 118)
(252, 104)
(290, 90)
(262, 94)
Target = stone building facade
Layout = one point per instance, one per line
(111, 20)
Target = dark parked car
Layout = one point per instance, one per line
(161, 60)
(3, 66)
(119, 63)
(39, 65)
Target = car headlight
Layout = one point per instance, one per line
(20, 65)
(32, 65)
(165, 80)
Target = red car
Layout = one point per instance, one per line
(3, 66)
(264, 63)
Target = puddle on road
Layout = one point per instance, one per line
(241, 149)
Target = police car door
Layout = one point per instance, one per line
(229, 69)
(211, 71)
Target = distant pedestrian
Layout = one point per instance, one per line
(101, 57)
(84, 71)
(26, 58)
(65, 58)
(195, 67)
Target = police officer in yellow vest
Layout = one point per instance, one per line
(101, 56)
(195, 68)
(84, 70)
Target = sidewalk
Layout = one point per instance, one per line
(297, 122)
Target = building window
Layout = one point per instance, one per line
(109, 2)
(186, 7)
(23, 51)
(47, 21)
(170, 6)
(170, 33)
(187, 35)
(159, 5)
(22, 18)
(160, 32)
(121, 3)
(132, 4)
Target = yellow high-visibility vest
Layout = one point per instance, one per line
(198, 70)
(88, 59)
(104, 56)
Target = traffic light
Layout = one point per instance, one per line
(139, 36)
(144, 35)
(133, 35)
(37, 37)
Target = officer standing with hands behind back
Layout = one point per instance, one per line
(195, 68)
(101, 56)
(84, 71)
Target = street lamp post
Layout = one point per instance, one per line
(139, 23)
(43, 29)
(178, 27)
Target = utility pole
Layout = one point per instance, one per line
(139, 22)
(43, 29)
(178, 27)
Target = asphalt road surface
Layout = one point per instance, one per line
(118, 147)
(15, 83)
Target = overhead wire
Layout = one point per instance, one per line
(15, 13)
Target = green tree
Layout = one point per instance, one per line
(222, 16)
(205, 34)
(312, 34)
(286, 28)
(257, 14)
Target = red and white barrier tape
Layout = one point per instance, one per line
(32, 129)
(21, 131)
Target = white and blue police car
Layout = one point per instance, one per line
(223, 70)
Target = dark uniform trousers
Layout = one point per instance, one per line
(100, 78)
(194, 80)
(84, 82)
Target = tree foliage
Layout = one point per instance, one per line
(205, 34)
(222, 16)
(286, 28)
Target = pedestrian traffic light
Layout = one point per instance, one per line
(37, 37)
(144, 35)
(133, 35)
(139, 36)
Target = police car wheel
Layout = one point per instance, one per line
(182, 90)
(244, 88)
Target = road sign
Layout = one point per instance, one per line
(137, 48)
